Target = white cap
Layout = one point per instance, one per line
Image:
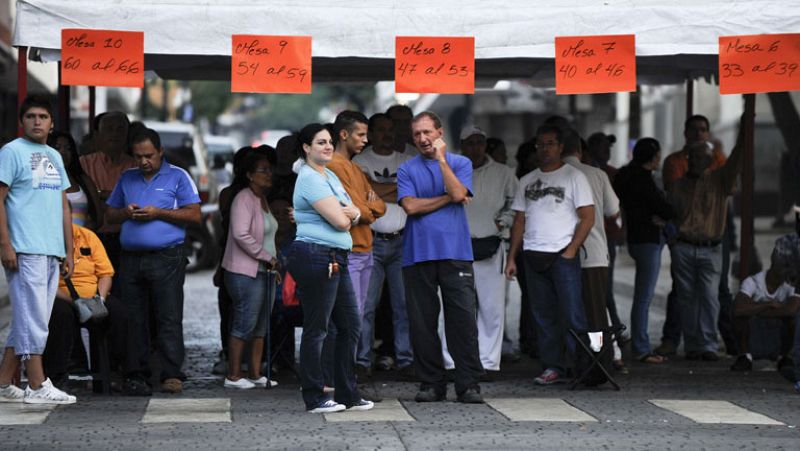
(470, 130)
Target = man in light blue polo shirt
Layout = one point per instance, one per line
(154, 202)
(432, 188)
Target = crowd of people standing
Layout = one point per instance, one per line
(362, 212)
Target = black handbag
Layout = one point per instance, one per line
(483, 248)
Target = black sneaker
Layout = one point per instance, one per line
(742, 363)
(136, 387)
(471, 395)
(429, 395)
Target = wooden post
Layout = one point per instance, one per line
(22, 79)
(689, 97)
(748, 179)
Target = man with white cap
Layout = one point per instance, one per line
(489, 216)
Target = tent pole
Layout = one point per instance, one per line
(22, 79)
(748, 176)
(689, 97)
(63, 104)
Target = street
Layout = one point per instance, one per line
(677, 405)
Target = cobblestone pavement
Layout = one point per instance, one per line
(678, 405)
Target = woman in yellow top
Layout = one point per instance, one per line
(92, 275)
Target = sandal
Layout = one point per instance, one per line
(651, 358)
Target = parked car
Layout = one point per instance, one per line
(184, 147)
(220, 158)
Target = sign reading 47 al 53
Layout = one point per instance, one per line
(102, 58)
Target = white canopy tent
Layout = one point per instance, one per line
(354, 41)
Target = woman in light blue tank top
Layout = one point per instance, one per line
(318, 262)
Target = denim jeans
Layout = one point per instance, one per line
(252, 303)
(325, 299)
(647, 257)
(359, 265)
(557, 305)
(155, 276)
(388, 264)
(697, 270)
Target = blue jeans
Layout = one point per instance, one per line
(648, 264)
(252, 303)
(388, 264)
(359, 264)
(557, 305)
(325, 299)
(156, 275)
(697, 270)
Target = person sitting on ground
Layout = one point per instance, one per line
(768, 294)
(91, 276)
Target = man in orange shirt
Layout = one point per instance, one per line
(696, 129)
(351, 136)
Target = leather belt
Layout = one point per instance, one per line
(388, 236)
(701, 243)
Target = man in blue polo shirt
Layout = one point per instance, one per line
(154, 202)
(432, 188)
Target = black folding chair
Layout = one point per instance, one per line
(610, 334)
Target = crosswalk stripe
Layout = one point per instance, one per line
(207, 410)
(386, 410)
(539, 409)
(713, 412)
(18, 413)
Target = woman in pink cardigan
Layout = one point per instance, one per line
(250, 268)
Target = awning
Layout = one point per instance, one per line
(354, 41)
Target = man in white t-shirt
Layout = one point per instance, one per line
(380, 162)
(767, 294)
(555, 212)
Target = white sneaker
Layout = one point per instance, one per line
(241, 384)
(362, 404)
(47, 394)
(12, 393)
(328, 407)
(262, 382)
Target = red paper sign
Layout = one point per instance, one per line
(759, 63)
(595, 64)
(271, 64)
(442, 65)
(102, 58)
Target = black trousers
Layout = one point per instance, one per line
(457, 282)
(64, 326)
